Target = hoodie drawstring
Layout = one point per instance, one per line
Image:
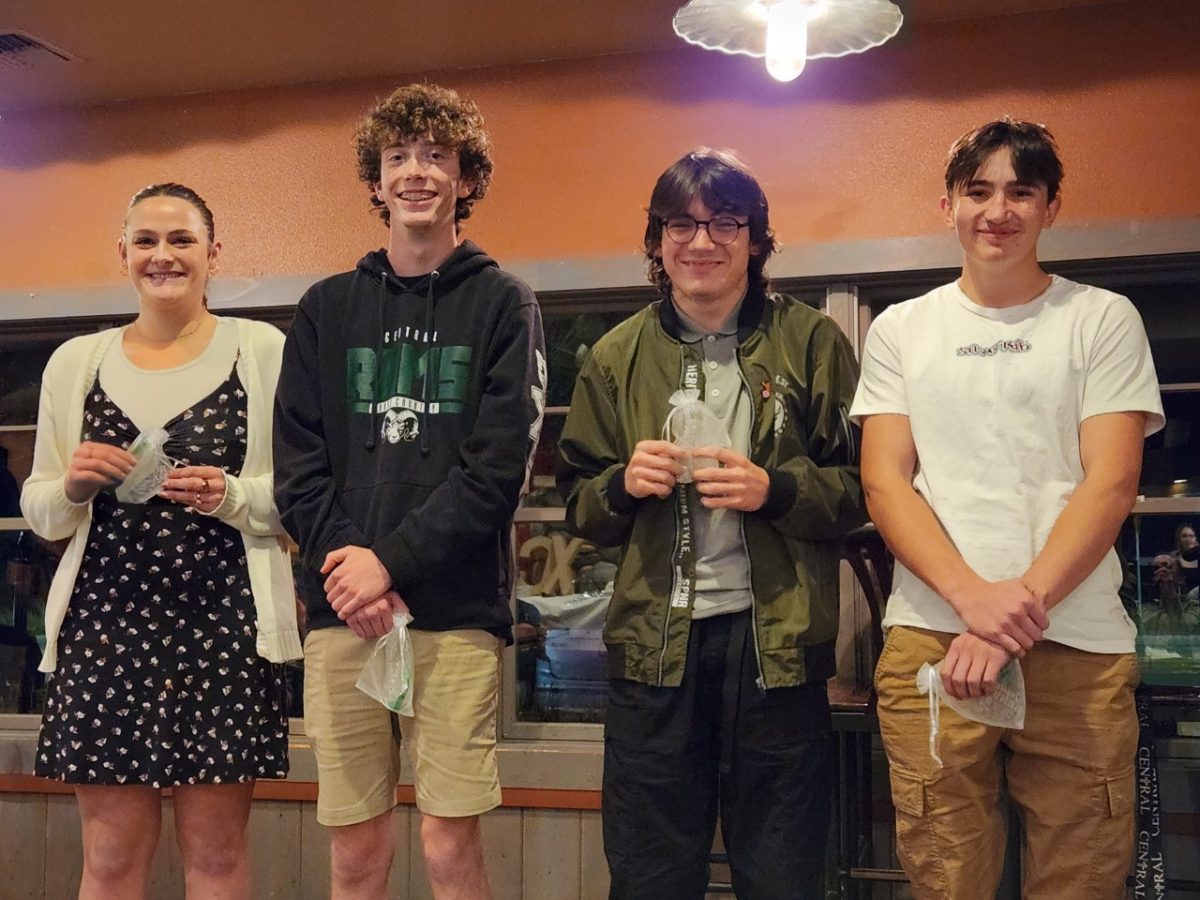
(423, 430)
(374, 423)
(423, 412)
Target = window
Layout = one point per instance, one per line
(1162, 595)
(557, 669)
(27, 562)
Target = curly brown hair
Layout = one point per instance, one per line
(426, 110)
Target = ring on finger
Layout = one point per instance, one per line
(204, 486)
(196, 501)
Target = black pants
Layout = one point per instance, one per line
(672, 755)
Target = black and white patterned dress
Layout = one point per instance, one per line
(158, 682)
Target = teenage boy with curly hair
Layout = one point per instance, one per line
(409, 405)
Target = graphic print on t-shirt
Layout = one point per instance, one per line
(1010, 346)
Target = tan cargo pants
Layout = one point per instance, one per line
(1069, 774)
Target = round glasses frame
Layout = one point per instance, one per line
(721, 230)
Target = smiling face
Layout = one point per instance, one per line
(166, 250)
(997, 216)
(1187, 538)
(707, 278)
(420, 184)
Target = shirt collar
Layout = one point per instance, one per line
(751, 314)
(690, 331)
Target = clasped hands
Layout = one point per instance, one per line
(1005, 619)
(359, 589)
(734, 483)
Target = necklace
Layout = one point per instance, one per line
(186, 332)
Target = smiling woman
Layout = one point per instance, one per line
(168, 249)
(174, 597)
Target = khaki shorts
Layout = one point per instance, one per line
(450, 739)
(1069, 774)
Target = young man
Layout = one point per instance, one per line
(1003, 418)
(721, 630)
(409, 405)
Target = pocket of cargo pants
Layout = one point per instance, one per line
(908, 793)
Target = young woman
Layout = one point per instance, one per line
(1187, 553)
(167, 618)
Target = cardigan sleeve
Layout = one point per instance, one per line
(249, 501)
(44, 502)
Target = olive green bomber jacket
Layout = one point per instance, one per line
(801, 375)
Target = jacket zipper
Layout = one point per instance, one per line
(761, 681)
(662, 655)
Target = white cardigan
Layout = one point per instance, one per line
(249, 504)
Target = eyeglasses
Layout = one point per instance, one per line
(721, 229)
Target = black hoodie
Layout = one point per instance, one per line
(405, 420)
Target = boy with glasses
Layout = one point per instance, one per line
(1003, 418)
(724, 612)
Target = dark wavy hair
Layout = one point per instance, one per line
(724, 184)
(181, 192)
(1034, 153)
(426, 110)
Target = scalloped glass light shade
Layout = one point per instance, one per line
(837, 27)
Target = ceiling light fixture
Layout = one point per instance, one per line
(788, 32)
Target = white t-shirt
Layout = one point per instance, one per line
(995, 398)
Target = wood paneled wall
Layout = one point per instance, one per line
(532, 854)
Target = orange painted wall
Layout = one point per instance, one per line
(851, 150)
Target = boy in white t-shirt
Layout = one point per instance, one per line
(1003, 418)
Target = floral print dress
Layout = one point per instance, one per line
(158, 680)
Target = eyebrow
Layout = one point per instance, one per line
(726, 214)
(1018, 182)
(430, 145)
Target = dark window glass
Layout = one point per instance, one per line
(1161, 593)
(562, 598)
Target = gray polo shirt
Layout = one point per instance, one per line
(722, 565)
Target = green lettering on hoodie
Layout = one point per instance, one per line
(401, 368)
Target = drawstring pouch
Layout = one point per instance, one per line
(691, 425)
(148, 474)
(1003, 708)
